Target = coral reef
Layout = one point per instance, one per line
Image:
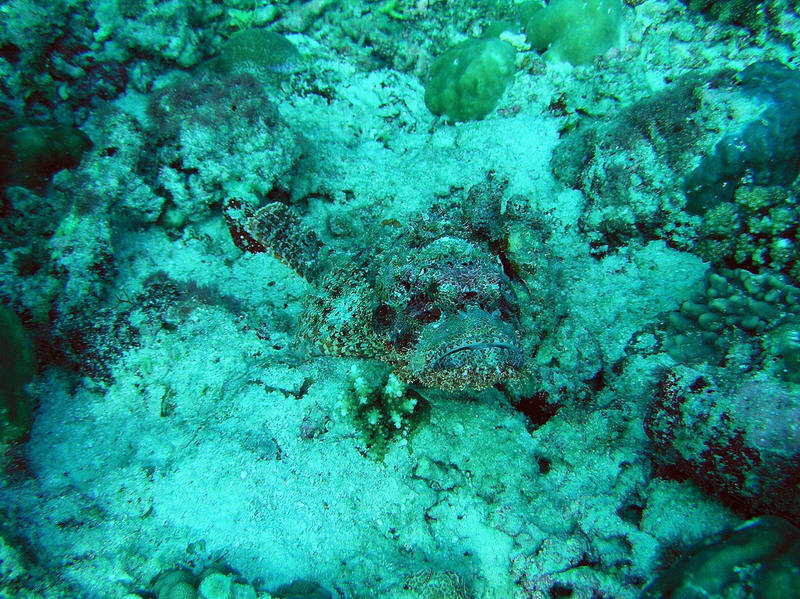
(760, 559)
(740, 440)
(666, 152)
(178, 419)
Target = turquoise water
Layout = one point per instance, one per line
(409, 299)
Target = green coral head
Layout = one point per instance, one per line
(466, 82)
(576, 31)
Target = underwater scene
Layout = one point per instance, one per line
(408, 299)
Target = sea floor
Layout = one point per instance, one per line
(205, 433)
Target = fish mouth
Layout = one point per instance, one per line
(486, 353)
(471, 349)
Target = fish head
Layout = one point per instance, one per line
(451, 314)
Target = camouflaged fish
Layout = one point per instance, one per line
(438, 308)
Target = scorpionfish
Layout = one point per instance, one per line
(438, 308)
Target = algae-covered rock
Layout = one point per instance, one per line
(17, 366)
(466, 82)
(576, 30)
(762, 150)
(301, 589)
(216, 136)
(258, 52)
(759, 560)
(738, 440)
(31, 152)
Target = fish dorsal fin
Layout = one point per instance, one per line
(274, 228)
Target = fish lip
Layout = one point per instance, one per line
(470, 349)
(509, 348)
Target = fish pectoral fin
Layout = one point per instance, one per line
(274, 228)
(236, 214)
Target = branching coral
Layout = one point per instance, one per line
(740, 311)
(381, 406)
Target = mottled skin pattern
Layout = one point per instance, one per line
(435, 584)
(436, 305)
